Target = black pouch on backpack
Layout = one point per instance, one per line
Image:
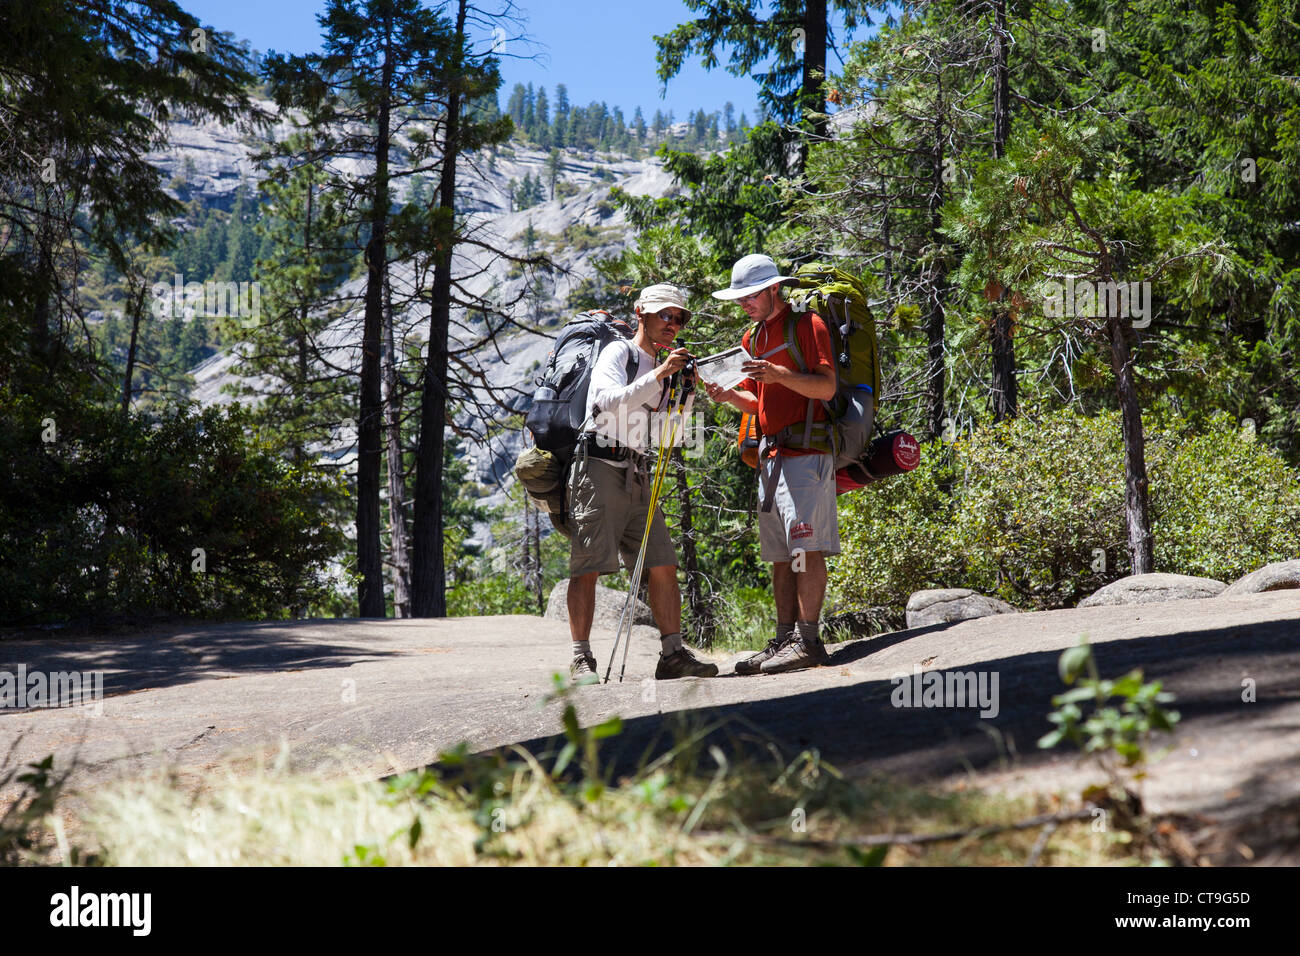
(554, 420)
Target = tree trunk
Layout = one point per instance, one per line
(428, 575)
(304, 367)
(1002, 344)
(370, 592)
(1001, 82)
(938, 286)
(136, 308)
(398, 557)
(1137, 512)
(814, 63)
(1004, 363)
(701, 609)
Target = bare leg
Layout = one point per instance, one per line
(665, 599)
(784, 593)
(811, 586)
(582, 605)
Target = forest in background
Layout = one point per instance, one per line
(971, 162)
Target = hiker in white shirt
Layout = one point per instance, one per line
(609, 494)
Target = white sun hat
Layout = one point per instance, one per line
(654, 298)
(751, 274)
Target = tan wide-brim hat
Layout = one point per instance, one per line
(750, 275)
(654, 298)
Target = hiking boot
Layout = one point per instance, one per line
(796, 654)
(682, 663)
(752, 664)
(581, 667)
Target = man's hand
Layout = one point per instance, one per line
(761, 370)
(675, 362)
(745, 401)
(819, 383)
(717, 393)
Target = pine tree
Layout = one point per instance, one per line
(560, 118)
(81, 104)
(792, 88)
(471, 75)
(553, 163)
(528, 122)
(515, 105)
(300, 400)
(542, 116)
(658, 125)
(358, 96)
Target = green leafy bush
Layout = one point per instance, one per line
(187, 514)
(1036, 511)
(1222, 503)
(491, 594)
(896, 536)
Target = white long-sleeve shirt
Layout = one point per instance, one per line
(622, 410)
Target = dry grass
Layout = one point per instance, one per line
(509, 809)
(692, 806)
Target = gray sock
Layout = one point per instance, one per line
(581, 649)
(809, 631)
(784, 632)
(670, 643)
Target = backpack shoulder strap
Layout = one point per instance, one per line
(633, 361)
(792, 341)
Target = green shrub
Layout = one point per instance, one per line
(491, 594)
(187, 514)
(895, 536)
(1036, 512)
(1222, 504)
(746, 618)
(1038, 501)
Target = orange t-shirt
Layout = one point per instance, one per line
(778, 406)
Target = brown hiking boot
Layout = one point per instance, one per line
(796, 654)
(752, 664)
(682, 663)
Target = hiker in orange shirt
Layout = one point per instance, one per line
(797, 520)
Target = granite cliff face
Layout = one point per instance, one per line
(212, 159)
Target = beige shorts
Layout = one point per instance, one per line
(607, 513)
(804, 517)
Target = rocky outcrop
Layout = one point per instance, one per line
(609, 605)
(1278, 576)
(948, 605)
(208, 160)
(1153, 589)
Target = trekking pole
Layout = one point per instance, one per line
(661, 469)
(667, 435)
(628, 615)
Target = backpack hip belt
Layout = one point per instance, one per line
(592, 446)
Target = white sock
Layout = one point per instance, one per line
(581, 649)
(670, 643)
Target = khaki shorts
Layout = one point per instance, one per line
(607, 513)
(804, 517)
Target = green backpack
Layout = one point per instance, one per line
(841, 301)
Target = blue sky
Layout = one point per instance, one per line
(600, 49)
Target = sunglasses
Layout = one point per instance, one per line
(679, 319)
